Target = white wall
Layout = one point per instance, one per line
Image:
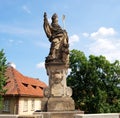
(29, 110)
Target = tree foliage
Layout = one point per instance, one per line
(95, 83)
(2, 74)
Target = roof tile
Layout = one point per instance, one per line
(18, 84)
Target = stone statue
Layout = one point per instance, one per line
(59, 50)
(57, 64)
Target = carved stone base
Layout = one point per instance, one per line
(58, 93)
(60, 104)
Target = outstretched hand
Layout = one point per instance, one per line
(45, 14)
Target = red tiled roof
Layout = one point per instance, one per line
(18, 84)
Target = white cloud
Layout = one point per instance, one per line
(41, 65)
(85, 34)
(105, 43)
(73, 39)
(26, 9)
(106, 47)
(103, 32)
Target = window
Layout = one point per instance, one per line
(6, 106)
(32, 104)
(34, 86)
(26, 85)
(41, 87)
(25, 108)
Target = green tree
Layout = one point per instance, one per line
(2, 74)
(95, 83)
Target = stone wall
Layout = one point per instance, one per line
(19, 116)
(106, 115)
(8, 116)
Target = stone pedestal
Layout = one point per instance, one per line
(60, 104)
(59, 95)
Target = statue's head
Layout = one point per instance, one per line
(54, 17)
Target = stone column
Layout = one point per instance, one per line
(59, 95)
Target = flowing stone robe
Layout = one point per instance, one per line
(59, 50)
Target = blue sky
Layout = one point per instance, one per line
(93, 27)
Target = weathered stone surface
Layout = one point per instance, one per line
(57, 90)
(68, 91)
(59, 50)
(27, 116)
(57, 80)
(8, 116)
(60, 104)
(58, 93)
(105, 115)
(57, 64)
(62, 114)
(44, 104)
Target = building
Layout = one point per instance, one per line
(24, 94)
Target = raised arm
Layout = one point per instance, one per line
(46, 26)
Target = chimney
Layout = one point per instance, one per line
(11, 64)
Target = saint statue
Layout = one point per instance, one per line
(59, 50)
(57, 64)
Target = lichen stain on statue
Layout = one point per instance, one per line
(59, 50)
